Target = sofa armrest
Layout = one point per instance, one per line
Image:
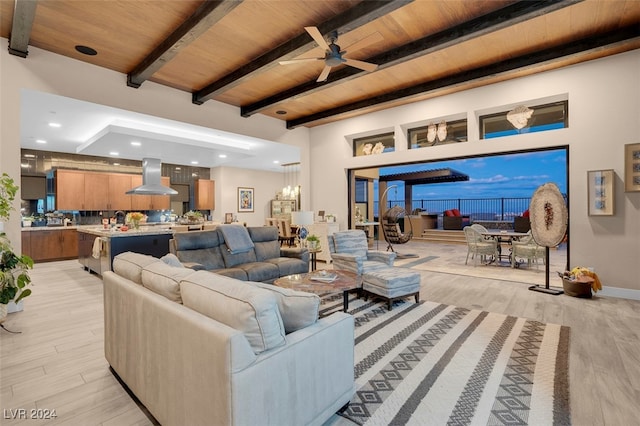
(311, 376)
(382, 256)
(298, 253)
(348, 262)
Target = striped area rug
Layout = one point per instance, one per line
(432, 364)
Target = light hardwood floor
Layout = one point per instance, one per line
(57, 362)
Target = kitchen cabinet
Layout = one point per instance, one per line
(96, 190)
(150, 202)
(204, 192)
(118, 185)
(69, 189)
(50, 244)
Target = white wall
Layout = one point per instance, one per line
(604, 115)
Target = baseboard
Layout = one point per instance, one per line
(623, 293)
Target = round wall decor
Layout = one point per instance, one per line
(549, 216)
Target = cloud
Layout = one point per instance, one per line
(531, 178)
(492, 179)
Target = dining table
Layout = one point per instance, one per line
(503, 236)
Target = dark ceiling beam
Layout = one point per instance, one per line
(207, 15)
(521, 62)
(507, 16)
(360, 14)
(23, 15)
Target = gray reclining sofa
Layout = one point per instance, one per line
(264, 262)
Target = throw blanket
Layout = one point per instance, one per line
(237, 238)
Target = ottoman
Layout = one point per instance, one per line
(392, 284)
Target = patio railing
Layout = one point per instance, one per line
(477, 208)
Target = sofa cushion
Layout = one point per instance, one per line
(265, 240)
(231, 259)
(298, 309)
(129, 265)
(236, 273)
(165, 279)
(201, 247)
(254, 311)
(289, 265)
(260, 271)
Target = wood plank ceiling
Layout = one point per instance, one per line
(229, 50)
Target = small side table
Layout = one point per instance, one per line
(313, 253)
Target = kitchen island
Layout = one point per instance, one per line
(151, 240)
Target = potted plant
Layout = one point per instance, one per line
(194, 216)
(313, 242)
(14, 276)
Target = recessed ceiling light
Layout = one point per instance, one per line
(24, 166)
(222, 155)
(178, 168)
(276, 162)
(41, 141)
(114, 153)
(55, 125)
(136, 143)
(116, 164)
(194, 162)
(86, 50)
(281, 112)
(29, 156)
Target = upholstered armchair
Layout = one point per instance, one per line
(527, 249)
(350, 252)
(478, 246)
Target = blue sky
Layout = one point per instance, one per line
(510, 175)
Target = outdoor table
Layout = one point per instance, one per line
(503, 236)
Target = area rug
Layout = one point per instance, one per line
(435, 364)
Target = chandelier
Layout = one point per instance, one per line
(291, 189)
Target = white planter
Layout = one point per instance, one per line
(13, 307)
(1, 226)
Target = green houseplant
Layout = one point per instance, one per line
(14, 275)
(313, 242)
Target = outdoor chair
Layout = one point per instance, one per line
(479, 247)
(391, 228)
(350, 252)
(453, 220)
(527, 249)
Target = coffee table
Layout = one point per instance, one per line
(345, 282)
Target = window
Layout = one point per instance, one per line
(438, 134)
(524, 119)
(371, 145)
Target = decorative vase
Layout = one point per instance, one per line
(136, 224)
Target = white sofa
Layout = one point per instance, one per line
(190, 369)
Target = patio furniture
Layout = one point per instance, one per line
(453, 220)
(350, 251)
(478, 246)
(527, 249)
(391, 228)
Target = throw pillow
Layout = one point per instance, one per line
(172, 260)
(129, 265)
(164, 279)
(456, 212)
(250, 310)
(298, 309)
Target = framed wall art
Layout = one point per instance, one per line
(632, 167)
(245, 199)
(600, 187)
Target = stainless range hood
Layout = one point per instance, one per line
(151, 182)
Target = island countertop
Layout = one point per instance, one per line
(142, 231)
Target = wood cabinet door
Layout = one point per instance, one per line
(26, 243)
(69, 243)
(139, 202)
(69, 190)
(118, 185)
(204, 194)
(45, 245)
(96, 190)
(162, 202)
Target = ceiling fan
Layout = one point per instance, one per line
(334, 56)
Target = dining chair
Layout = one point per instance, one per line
(527, 249)
(284, 232)
(477, 246)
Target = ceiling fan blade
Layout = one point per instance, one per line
(324, 74)
(364, 42)
(366, 66)
(314, 32)
(297, 61)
